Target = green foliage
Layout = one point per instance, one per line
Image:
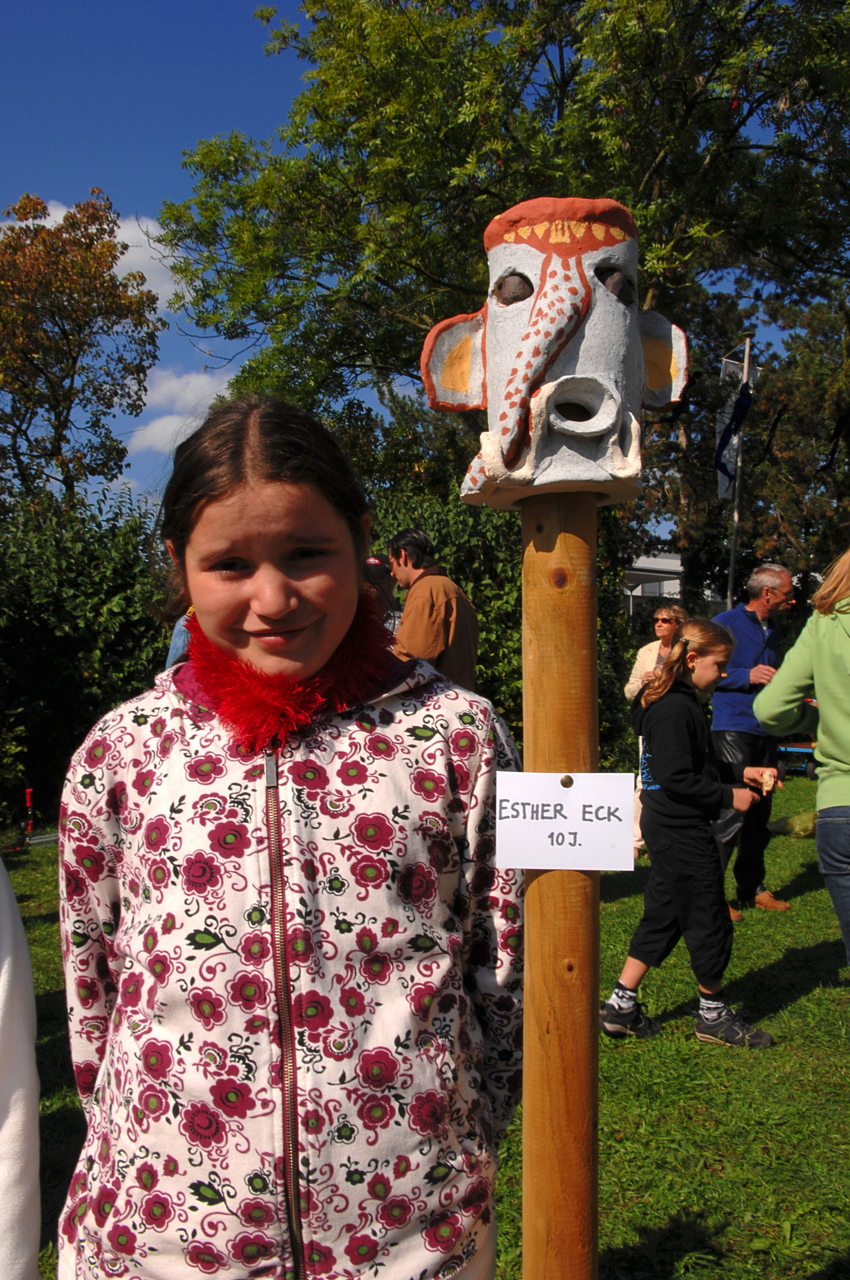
(339, 242)
(336, 244)
(721, 1162)
(76, 634)
(615, 654)
(796, 472)
(797, 479)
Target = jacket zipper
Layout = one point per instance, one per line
(284, 1009)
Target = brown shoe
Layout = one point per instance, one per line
(765, 901)
(734, 914)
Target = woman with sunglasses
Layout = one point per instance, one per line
(668, 620)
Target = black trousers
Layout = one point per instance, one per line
(746, 830)
(684, 899)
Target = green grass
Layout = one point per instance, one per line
(713, 1162)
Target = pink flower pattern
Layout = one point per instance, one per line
(395, 935)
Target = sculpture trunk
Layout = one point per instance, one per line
(562, 907)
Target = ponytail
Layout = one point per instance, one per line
(698, 636)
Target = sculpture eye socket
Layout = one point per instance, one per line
(513, 288)
(618, 284)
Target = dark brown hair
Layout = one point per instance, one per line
(249, 440)
(418, 546)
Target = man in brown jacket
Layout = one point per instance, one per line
(438, 622)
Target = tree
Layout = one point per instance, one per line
(76, 343)
(76, 632)
(338, 244)
(797, 440)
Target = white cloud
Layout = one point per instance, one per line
(162, 435)
(187, 396)
(185, 392)
(55, 212)
(143, 256)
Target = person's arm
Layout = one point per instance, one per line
(780, 706)
(645, 657)
(422, 632)
(490, 901)
(741, 678)
(89, 904)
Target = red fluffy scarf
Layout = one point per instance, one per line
(257, 707)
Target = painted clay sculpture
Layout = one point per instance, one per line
(559, 355)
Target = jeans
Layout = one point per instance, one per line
(833, 843)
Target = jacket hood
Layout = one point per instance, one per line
(639, 711)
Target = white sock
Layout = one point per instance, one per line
(623, 998)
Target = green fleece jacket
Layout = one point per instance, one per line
(818, 666)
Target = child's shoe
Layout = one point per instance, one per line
(627, 1022)
(731, 1028)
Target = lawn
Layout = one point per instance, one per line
(713, 1161)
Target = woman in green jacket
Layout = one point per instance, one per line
(818, 667)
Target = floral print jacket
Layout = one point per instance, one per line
(294, 989)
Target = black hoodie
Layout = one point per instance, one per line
(684, 784)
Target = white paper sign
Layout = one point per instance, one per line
(543, 825)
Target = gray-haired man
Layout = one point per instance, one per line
(738, 737)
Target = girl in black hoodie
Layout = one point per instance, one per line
(682, 793)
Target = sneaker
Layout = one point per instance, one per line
(730, 1028)
(765, 901)
(627, 1022)
(734, 914)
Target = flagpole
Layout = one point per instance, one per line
(736, 502)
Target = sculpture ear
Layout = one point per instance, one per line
(453, 363)
(665, 357)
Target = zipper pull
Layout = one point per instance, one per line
(271, 766)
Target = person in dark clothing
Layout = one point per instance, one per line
(683, 790)
(737, 735)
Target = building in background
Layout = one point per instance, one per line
(654, 578)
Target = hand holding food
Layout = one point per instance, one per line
(764, 780)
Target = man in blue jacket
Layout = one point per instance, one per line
(738, 737)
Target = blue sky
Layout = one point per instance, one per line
(111, 95)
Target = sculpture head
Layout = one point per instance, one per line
(559, 355)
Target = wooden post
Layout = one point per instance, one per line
(561, 1049)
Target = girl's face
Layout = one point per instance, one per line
(272, 572)
(706, 670)
(665, 628)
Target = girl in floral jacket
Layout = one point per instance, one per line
(292, 968)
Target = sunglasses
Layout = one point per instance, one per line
(665, 619)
